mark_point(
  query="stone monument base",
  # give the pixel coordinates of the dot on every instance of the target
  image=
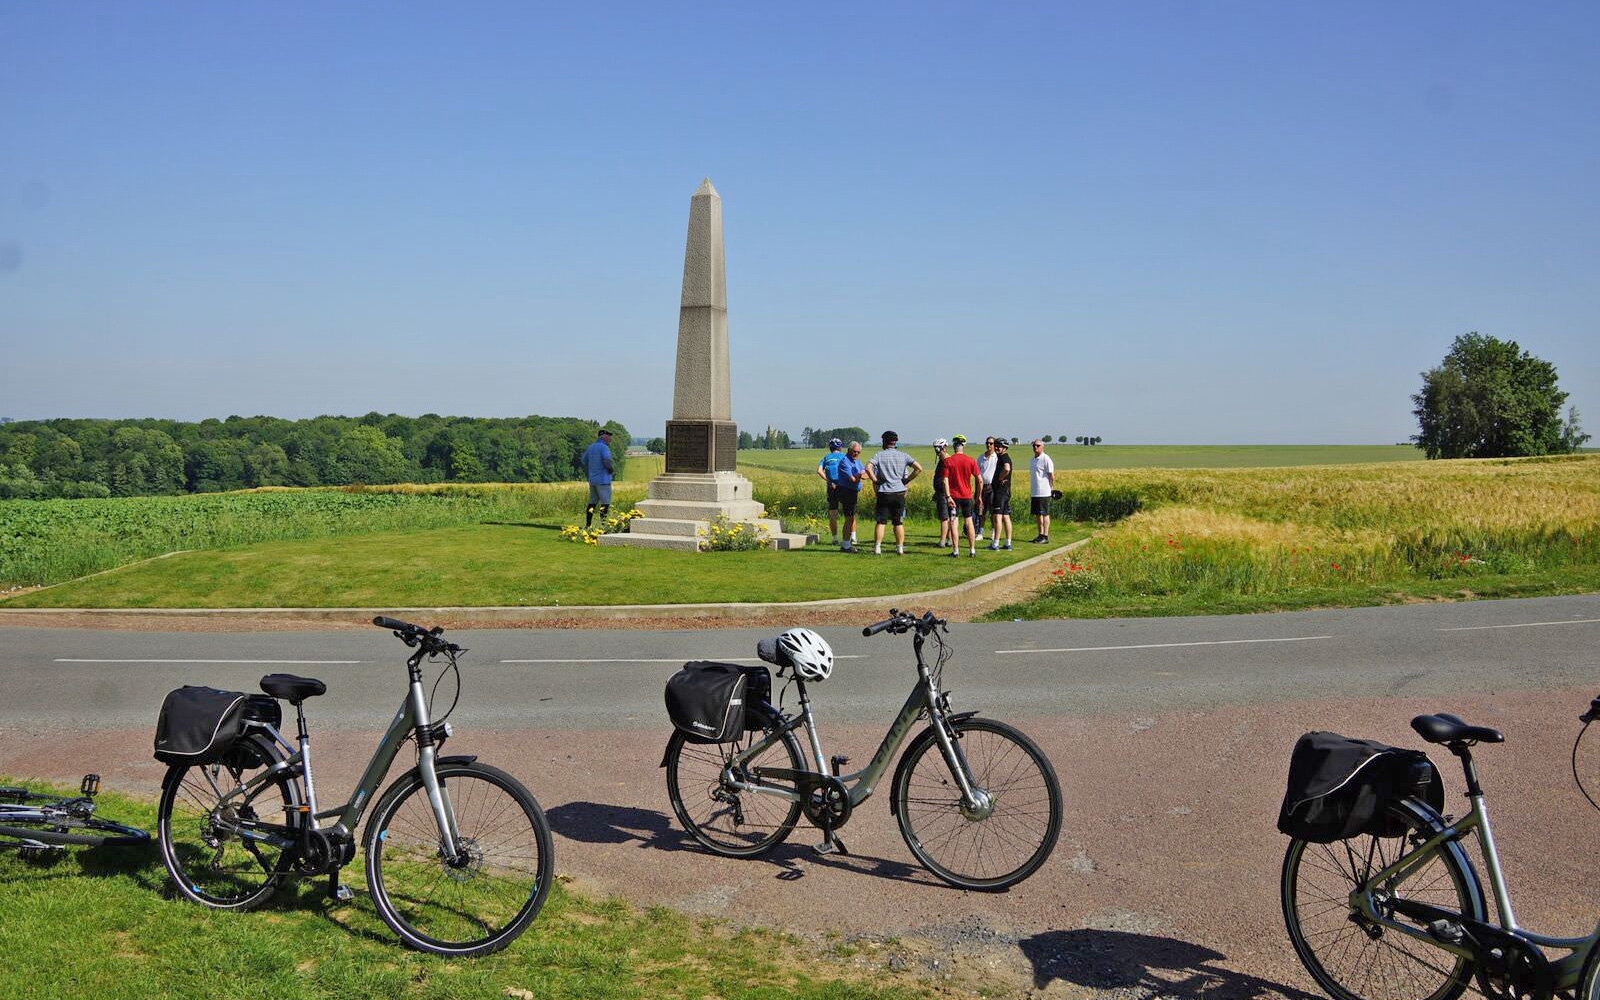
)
(682, 505)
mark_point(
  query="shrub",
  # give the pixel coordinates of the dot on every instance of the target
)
(723, 535)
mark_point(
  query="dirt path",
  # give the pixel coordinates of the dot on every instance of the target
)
(1164, 882)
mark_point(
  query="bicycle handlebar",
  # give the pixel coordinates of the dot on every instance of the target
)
(902, 621)
(431, 640)
(396, 624)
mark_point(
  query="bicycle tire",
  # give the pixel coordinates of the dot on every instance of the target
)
(187, 834)
(701, 779)
(1318, 916)
(408, 863)
(1589, 980)
(923, 816)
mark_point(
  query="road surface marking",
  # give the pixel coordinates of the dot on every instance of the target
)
(63, 659)
(674, 659)
(1163, 645)
(1474, 628)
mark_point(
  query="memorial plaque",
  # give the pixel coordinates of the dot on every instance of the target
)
(702, 445)
(725, 457)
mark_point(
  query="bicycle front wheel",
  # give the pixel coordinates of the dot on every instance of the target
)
(482, 899)
(999, 844)
(1354, 958)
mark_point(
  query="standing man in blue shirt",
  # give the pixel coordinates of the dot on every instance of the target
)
(848, 482)
(597, 464)
(828, 469)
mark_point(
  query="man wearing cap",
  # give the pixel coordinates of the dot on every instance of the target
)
(986, 469)
(1000, 492)
(941, 498)
(891, 470)
(828, 470)
(960, 474)
(597, 464)
(1044, 481)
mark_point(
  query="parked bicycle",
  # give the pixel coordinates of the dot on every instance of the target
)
(977, 801)
(1378, 894)
(458, 853)
(41, 825)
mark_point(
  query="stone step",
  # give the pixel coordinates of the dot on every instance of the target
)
(785, 541)
(683, 543)
(665, 526)
(694, 510)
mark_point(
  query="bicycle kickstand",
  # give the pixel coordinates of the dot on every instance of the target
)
(337, 891)
(831, 844)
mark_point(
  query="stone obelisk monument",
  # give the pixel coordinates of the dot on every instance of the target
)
(702, 440)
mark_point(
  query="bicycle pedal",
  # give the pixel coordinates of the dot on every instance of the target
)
(838, 762)
(343, 893)
(833, 845)
(90, 787)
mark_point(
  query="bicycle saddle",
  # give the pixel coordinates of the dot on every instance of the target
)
(769, 650)
(291, 688)
(1447, 728)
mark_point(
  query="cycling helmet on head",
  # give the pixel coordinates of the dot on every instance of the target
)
(834, 444)
(808, 653)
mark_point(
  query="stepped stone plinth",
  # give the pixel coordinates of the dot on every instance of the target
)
(700, 483)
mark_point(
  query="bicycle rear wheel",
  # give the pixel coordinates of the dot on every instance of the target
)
(725, 821)
(987, 851)
(489, 894)
(209, 860)
(1355, 959)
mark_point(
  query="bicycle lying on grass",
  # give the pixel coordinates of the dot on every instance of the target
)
(41, 825)
(1395, 909)
(977, 801)
(458, 853)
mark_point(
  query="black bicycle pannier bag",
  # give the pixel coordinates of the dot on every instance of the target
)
(706, 701)
(1340, 787)
(198, 725)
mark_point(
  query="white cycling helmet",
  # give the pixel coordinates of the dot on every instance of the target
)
(808, 652)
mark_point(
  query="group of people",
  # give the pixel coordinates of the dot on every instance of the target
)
(966, 491)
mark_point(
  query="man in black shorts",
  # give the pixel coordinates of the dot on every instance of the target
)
(847, 488)
(1000, 493)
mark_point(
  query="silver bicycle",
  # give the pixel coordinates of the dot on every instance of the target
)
(458, 853)
(1404, 917)
(977, 801)
(41, 825)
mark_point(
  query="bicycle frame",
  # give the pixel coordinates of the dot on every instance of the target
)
(925, 697)
(1568, 969)
(412, 718)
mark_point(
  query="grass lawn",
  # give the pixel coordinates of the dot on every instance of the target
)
(522, 563)
(1117, 456)
(98, 923)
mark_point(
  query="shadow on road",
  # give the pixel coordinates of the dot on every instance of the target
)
(1165, 967)
(598, 823)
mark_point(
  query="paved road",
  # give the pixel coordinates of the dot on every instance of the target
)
(1171, 737)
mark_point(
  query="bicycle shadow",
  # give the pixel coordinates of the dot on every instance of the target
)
(141, 863)
(599, 823)
(1163, 966)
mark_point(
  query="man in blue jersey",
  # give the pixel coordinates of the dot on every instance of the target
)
(598, 466)
(828, 469)
(851, 472)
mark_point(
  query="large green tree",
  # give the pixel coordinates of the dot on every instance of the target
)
(1489, 399)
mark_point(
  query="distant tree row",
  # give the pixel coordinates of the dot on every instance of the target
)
(773, 438)
(816, 437)
(98, 458)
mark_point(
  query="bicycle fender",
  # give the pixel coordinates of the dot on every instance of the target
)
(905, 758)
(460, 758)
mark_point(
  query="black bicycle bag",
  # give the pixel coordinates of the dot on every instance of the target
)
(1341, 787)
(710, 702)
(199, 725)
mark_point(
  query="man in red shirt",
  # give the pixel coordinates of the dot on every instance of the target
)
(960, 475)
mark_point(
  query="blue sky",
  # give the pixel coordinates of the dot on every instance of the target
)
(1155, 222)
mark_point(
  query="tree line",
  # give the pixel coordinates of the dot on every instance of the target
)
(99, 458)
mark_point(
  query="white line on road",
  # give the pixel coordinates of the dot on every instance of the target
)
(62, 659)
(674, 659)
(1474, 628)
(1164, 645)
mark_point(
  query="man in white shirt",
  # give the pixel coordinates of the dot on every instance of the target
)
(1044, 481)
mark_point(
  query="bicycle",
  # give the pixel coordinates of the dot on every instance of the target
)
(458, 853)
(41, 825)
(1404, 916)
(977, 802)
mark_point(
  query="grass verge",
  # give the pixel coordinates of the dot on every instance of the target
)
(99, 923)
(522, 563)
